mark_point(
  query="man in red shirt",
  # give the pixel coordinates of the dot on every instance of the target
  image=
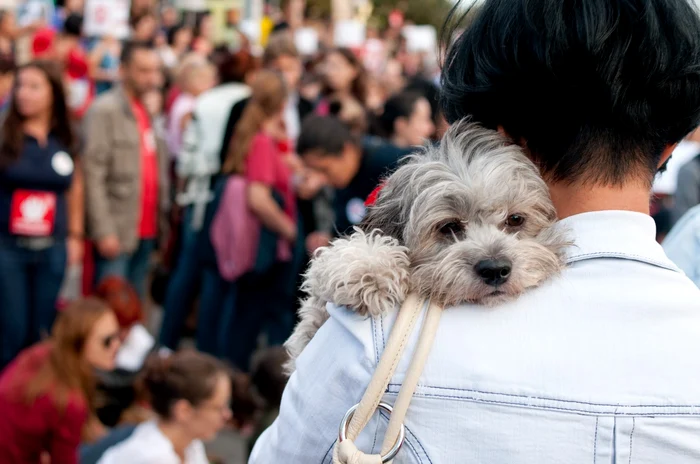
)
(127, 193)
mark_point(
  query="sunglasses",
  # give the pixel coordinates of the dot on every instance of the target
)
(110, 339)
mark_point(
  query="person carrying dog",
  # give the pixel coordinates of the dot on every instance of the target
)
(598, 364)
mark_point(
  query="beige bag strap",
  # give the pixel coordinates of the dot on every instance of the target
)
(358, 416)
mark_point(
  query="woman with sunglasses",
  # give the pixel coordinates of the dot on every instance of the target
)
(46, 394)
(190, 393)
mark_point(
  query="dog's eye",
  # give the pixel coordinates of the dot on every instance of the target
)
(452, 228)
(515, 220)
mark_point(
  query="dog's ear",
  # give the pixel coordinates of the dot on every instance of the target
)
(389, 213)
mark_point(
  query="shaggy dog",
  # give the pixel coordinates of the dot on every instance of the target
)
(470, 221)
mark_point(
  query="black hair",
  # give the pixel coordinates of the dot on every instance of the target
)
(400, 105)
(430, 91)
(173, 31)
(596, 90)
(324, 135)
(132, 46)
(73, 25)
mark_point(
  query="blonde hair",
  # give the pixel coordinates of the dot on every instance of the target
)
(268, 95)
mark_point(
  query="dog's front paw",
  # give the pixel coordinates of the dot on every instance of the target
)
(365, 272)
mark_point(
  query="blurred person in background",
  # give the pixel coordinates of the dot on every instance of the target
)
(345, 79)
(281, 55)
(352, 166)
(196, 169)
(41, 206)
(407, 120)
(195, 78)
(117, 387)
(7, 79)
(126, 169)
(687, 192)
(47, 395)
(254, 154)
(179, 39)
(203, 41)
(104, 63)
(144, 27)
(190, 393)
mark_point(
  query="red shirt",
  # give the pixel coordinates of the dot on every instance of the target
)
(148, 224)
(265, 164)
(26, 431)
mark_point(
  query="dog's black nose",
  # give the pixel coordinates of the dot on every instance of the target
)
(493, 271)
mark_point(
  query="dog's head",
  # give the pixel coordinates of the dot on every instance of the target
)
(475, 216)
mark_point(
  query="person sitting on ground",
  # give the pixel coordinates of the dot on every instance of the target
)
(47, 393)
(190, 392)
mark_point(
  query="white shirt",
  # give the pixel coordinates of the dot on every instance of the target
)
(599, 365)
(291, 117)
(148, 445)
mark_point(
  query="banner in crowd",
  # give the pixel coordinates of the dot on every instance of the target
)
(349, 33)
(32, 11)
(107, 17)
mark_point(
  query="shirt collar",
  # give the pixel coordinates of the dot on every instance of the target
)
(615, 234)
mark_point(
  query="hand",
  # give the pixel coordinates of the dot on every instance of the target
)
(75, 249)
(317, 240)
(109, 247)
(290, 233)
(311, 183)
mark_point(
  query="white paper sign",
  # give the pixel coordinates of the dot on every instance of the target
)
(107, 17)
(9, 4)
(420, 38)
(191, 5)
(32, 11)
(349, 34)
(306, 40)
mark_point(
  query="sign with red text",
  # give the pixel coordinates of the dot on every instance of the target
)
(107, 18)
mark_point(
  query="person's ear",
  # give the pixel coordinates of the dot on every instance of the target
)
(400, 125)
(182, 411)
(666, 155)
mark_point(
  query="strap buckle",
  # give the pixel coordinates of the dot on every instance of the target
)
(345, 423)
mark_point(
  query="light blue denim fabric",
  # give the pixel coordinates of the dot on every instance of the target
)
(600, 365)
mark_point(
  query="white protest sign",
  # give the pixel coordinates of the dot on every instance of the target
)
(9, 5)
(420, 38)
(33, 11)
(349, 33)
(107, 17)
(306, 40)
(191, 5)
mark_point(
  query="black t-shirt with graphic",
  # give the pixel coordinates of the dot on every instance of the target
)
(379, 160)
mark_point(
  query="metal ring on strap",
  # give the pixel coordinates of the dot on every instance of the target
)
(345, 423)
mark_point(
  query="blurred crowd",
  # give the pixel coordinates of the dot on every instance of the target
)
(189, 182)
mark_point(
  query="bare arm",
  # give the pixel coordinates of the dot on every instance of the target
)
(263, 205)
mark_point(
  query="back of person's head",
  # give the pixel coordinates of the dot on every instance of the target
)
(73, 25)
(267, 100)
(183, 382)
(324, 136)
(279, 44)
(123, 299)
(396, 107)
(82, 335)
(595, 90)
(268, 375)
(233, 66)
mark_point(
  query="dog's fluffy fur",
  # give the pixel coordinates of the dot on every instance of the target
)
(442, 212)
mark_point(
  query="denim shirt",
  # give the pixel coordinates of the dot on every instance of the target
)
(599, 365)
